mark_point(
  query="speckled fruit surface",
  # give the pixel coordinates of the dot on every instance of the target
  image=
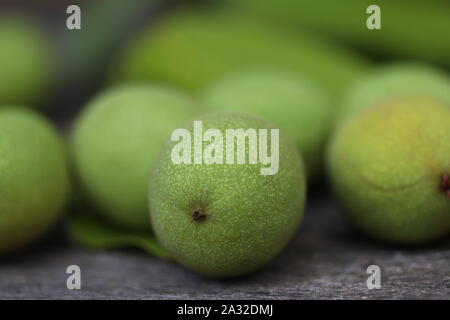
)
(389, 167)
(115, 142)
(286, 99)
(34, 183)
(225, 220)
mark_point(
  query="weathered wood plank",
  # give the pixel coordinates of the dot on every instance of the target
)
(326, 260)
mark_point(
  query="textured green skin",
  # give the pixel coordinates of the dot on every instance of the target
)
(286, 99)
(26, 61)
(397, 79)
(34, 184)
(117, 139)
(386, 164)
(250, 217)
(192, 48)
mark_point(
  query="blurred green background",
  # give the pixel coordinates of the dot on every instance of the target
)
(326, 40)
(191, 44)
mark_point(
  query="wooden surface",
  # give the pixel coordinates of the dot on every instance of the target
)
(326, 260)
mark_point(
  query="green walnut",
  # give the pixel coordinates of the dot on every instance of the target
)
(191, 48)
(390, 169)
(287, 99)
(115, 142)
(393, 80)
(34, 183)
(26, 61)
(221, 216)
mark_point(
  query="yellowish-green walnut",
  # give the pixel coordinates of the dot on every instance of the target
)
(390, 169)
(34, 183)
(287, 99)
(225, 220)
(115, 142)
(26, 61)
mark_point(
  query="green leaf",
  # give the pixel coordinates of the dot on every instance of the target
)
(94, 233)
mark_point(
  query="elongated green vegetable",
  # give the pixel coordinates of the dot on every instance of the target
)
(413, 29)
(192, 48)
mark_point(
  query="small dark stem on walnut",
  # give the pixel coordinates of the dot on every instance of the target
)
(198, 216)
(445, 184)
